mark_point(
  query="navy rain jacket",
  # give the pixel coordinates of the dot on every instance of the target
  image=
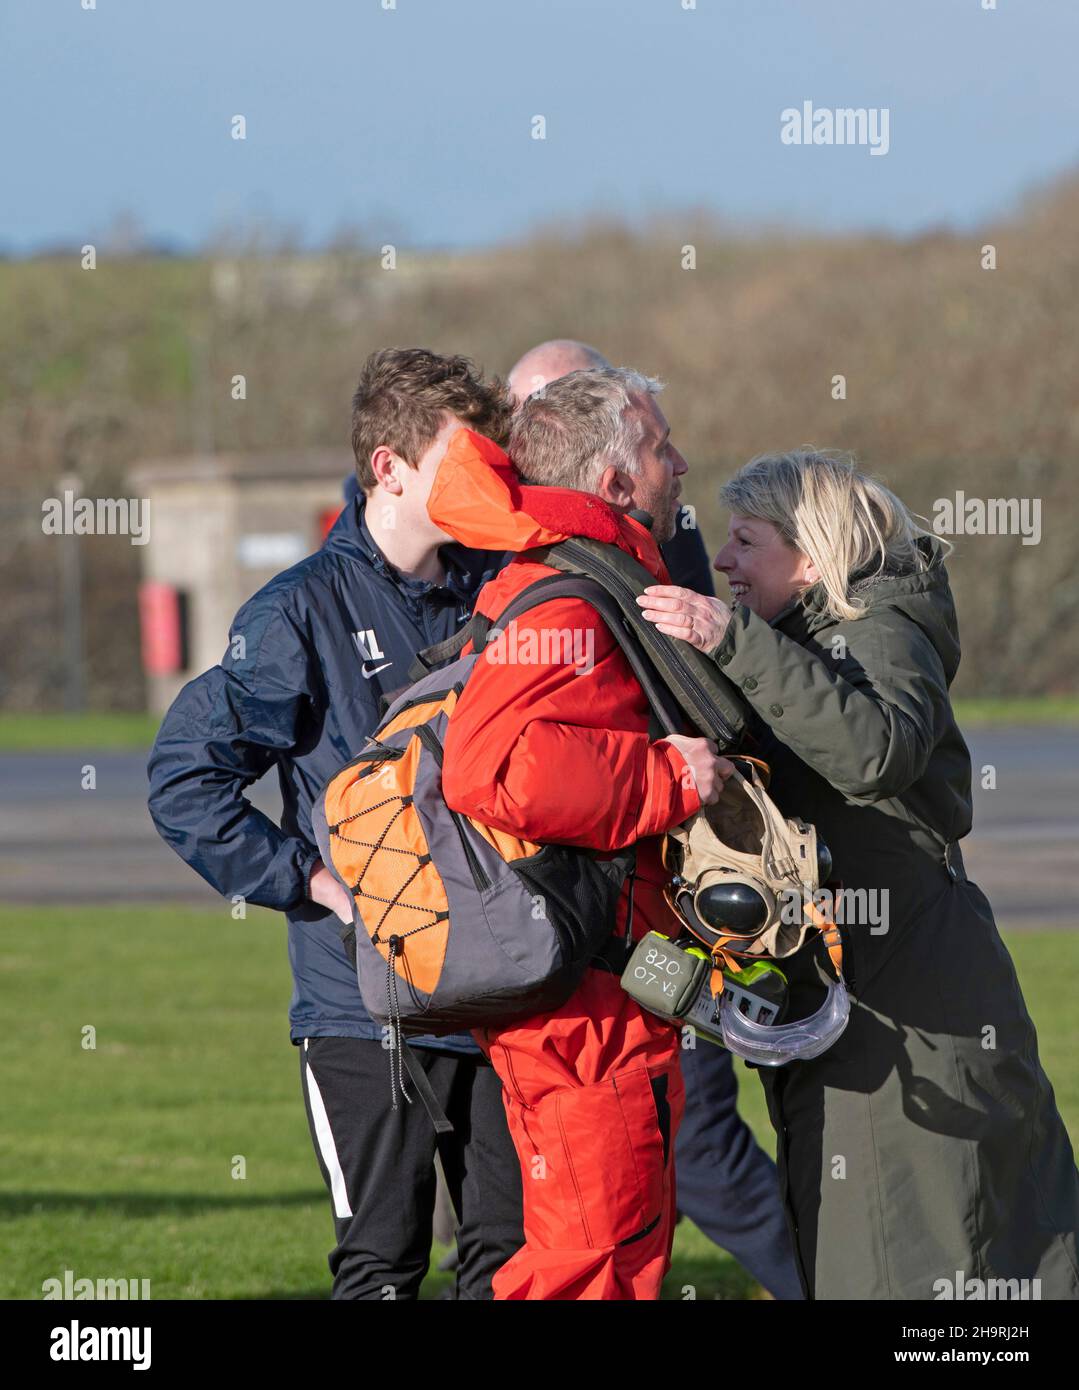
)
(321, 643)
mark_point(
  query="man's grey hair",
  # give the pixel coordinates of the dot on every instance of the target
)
(568, 432)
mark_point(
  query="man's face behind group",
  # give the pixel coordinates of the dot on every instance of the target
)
(657, 487)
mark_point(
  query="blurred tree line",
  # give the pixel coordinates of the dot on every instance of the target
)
(957, 379)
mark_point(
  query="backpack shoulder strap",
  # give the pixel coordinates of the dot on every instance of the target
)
(679, 683)
(708, 700)
(441, 653)
(665, 709)
(438, 654)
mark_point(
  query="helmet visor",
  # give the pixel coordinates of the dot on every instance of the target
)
(773, 1046)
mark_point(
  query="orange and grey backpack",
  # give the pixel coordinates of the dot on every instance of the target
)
(457, 925)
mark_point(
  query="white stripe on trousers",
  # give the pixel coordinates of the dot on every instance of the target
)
(326, 1144)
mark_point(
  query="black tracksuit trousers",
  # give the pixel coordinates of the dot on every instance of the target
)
(378, 1164)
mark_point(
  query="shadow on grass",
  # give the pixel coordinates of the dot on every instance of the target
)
(728, 1284)
(711, 1275)
(141, 1204)
(718, 1276)
(321, 1295)
(438, 1284)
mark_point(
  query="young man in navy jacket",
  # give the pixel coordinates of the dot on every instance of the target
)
(298, 690)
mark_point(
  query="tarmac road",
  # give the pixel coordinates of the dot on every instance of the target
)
(61, 844)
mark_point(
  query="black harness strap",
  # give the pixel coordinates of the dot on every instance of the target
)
(443, 1125)
(418, 1077)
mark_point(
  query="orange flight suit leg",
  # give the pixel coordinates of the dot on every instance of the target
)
(594, 1097)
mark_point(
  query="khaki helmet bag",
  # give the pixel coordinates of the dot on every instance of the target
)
(745, 839)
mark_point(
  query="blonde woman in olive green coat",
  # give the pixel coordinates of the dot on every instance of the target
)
(923, 1155)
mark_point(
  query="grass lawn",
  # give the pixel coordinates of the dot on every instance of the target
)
(1020, 710)
(46, 733)
(117, 1161)
(49, 733)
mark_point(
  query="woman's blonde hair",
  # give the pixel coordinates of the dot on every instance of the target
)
(849, 524)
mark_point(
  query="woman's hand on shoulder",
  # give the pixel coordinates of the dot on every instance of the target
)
(695, 618)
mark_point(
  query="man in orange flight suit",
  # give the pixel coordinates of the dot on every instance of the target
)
(558, 751)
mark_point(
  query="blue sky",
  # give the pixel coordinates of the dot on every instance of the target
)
(414, 122)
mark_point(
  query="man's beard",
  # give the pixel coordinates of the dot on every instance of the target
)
(665, 519)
